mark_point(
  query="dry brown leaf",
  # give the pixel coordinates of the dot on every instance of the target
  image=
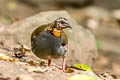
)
(7, 58)
(26, 49)
(69, 70)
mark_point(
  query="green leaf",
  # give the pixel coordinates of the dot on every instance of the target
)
(99, 43)
(81, 77)
(82, 67)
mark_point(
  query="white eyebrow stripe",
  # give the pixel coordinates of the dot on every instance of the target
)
(63, 20)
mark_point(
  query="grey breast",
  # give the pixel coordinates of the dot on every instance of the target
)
(47, 46)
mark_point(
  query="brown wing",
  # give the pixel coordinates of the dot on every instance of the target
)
(65, 39)
(39, 29)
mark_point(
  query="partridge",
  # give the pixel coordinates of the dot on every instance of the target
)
(49, 41)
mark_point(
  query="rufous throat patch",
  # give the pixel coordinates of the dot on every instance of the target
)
(56, 33)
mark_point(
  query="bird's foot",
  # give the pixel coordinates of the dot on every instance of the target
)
(59, 70)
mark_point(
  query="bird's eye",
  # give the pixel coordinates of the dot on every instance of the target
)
(62, 22)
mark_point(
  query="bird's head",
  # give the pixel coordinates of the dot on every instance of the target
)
(62, 23)
(58, 25)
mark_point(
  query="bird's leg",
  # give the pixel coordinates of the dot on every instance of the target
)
(63, 64)
(49, 62)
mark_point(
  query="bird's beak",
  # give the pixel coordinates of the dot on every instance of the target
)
(70, 26)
